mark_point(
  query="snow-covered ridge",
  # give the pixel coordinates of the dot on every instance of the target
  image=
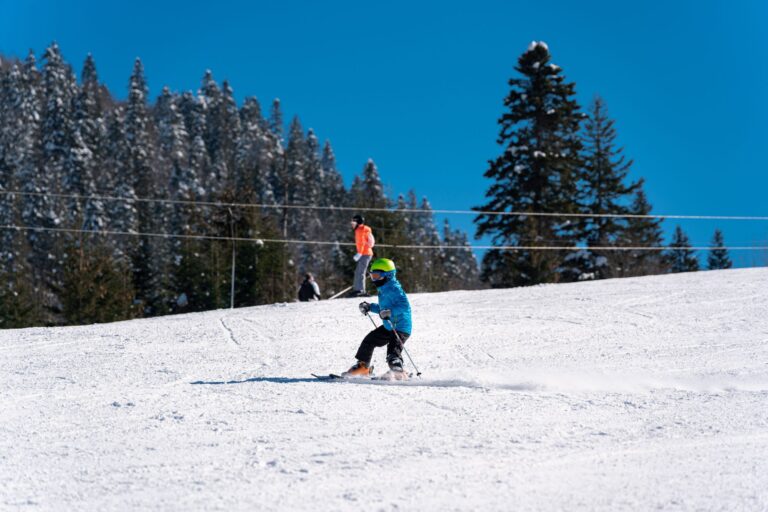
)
(616, 395)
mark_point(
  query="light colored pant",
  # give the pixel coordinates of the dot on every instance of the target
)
(360, 270)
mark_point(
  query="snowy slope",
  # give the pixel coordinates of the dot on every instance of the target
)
(616, 395)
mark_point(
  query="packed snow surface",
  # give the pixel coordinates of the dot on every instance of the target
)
(634, 394)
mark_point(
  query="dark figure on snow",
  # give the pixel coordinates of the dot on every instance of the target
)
(309, 290)
(395, 312)
(364, 243)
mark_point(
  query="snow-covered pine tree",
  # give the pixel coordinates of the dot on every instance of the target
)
(42, 210)
(252, 155)
(336, 273)
(460, 265)
(640, 231)
(19, 160)
(431, 276)
(333, 187)
(536, 173)
(140, 161)
(276, 121)
(173, 161)
(193, 113)
(313, 257)
(718, 259)
(367, 190)
(409, 222)
(367, 193)
(122, 213)
(603, 189)
(680, 256)
(90, 145)
(222, 127)
(292, 180)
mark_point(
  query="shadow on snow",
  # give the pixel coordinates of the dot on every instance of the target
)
(274, 380)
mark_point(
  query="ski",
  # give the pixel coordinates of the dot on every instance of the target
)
(384, 378)
(330, 376)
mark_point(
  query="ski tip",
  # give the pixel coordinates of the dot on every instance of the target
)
(330, 376)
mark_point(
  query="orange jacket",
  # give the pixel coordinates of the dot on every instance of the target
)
(364, 240)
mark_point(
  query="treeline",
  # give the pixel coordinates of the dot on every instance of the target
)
(558, 159)
(88, 239)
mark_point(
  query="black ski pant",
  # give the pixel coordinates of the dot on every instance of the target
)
(378, 338)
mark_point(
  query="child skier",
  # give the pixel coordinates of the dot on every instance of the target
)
(395, 312)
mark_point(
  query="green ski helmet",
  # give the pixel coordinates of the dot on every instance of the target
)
(383, 265)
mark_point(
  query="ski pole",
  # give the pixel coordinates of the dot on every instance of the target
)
(402, 345)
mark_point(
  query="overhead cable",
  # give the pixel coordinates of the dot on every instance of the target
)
(389, 210)
(387, 246)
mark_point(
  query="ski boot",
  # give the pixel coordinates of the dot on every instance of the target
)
(359, 369)
(396, 371)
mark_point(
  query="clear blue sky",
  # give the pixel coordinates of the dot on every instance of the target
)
(418, 86)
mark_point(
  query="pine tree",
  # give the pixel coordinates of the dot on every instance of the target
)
(20, 304)
(276, 121)
(718, 258)
(96, 288)
(367, 193)
(19, 157)
(193, 114)
(680, 256)
(122, 213)
(535, 174)
(252, 155)
(222, 127)
(460, 267)
(640, 231)
(140, 159)
(42, 210)
(603, 190)
(312, 258)
(426, 234)
(334, 272)
(89, 146)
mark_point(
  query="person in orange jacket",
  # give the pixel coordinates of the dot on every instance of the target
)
(364, 243)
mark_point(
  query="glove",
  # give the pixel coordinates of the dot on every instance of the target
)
(364, 308)
(385, 314)
(357, 256)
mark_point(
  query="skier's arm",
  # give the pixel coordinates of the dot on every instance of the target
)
(316, 290)
(399, 308)
(375, 308)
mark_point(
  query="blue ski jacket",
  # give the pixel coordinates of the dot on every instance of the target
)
(392, 297)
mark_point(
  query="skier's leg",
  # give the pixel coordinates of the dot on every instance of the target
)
(360, 270)
(395, 350)
(376, 338)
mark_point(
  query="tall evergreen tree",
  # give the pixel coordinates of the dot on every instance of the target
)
(222, 127)
(89, 146)
(140, 159)
(718, 259)
(123, 213)
(42, 210)
(680, 255)
(292, 178)
(20, 158)
(252, 155)
(640, 231)
(603, 190)
(536, 173)
(276, 120)
(460, 267)
(96, 288)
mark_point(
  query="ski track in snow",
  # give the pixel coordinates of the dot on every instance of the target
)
(635, 394)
